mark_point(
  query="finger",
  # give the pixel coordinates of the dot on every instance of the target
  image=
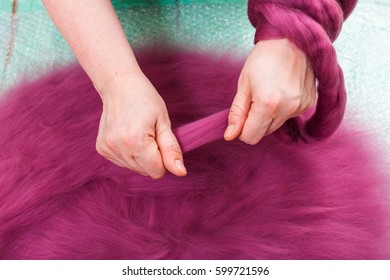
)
(309, 90)
(99, 139)
(118, 157)
(285, 112)
(107, 146)
(313, 93)
(259, 119)
(307, 101)
(171, 153)
(238, 114)
(102, 122)
(275, 125)
(118, 153)
(144, 155)
(125, 157)
(132, 165)
(117, 162)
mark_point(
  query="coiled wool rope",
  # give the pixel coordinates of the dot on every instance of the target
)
(312, 26)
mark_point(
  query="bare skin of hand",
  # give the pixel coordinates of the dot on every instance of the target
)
(276, 84)
(135, 130)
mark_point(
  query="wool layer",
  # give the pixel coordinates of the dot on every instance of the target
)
(59, 199)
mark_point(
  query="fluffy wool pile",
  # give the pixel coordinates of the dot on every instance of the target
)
(59, 199)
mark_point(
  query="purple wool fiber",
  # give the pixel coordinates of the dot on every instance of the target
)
(312, 26)
(59, 199)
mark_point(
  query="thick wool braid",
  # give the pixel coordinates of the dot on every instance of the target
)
(327, 13)
(312, 27)
(347, 6)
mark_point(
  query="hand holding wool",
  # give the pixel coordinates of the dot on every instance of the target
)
(276, 84)
(135, 130)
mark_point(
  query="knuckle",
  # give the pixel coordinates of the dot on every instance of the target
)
(171, 147)
(236, 112)
(292, 103)
(110, 140)
(294, 106)
(102, 149)
(136, 154)
(163, 125)
(138, 144)
(296, 94)
(138, 150)
(129, 141)
(271, 106)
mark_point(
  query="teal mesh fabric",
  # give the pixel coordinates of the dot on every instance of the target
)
(30, 45)
(34, 5)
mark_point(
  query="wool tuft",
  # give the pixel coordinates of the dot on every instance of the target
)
(59, 199)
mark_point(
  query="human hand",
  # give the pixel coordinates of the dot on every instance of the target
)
(135, 130)
(276, 84)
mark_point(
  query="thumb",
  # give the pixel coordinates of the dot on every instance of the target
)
(238, 114)
(170, 150)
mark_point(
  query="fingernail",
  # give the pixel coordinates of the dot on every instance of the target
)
(228, 131)
(180, 166)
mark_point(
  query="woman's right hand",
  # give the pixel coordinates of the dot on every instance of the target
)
(135, 130)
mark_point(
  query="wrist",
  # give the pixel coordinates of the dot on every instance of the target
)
(116, 80)
(283, 47)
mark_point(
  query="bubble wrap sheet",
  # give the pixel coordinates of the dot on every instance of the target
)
(30, 44)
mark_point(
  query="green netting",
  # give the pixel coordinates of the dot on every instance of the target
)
(29, 41)
(36, 5)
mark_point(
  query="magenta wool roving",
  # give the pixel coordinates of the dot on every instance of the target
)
(59, 199)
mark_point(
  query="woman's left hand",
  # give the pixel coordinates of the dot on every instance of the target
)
(276, 84)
